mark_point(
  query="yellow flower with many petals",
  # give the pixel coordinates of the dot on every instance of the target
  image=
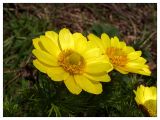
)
(123, 58)
(67, 57)
(147, 97)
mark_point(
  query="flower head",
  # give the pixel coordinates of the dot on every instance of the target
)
(123, 58)
(147, 97)
(67, 57)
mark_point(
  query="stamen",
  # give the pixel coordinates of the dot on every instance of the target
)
(71, 62)
(116, 56)
(150, 106)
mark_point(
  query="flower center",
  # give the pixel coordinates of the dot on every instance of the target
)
(71, 62)
(116, 56)
(151, 107)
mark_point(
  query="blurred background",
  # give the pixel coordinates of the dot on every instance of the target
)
(28, 92)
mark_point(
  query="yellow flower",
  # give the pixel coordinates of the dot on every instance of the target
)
(67, 57)
(147, 97)
(123, 58)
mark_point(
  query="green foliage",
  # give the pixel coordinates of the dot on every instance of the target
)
(48, 98)
(18, 35)
(144, 44)
(10, 107)
(28, 92)
(100, 28)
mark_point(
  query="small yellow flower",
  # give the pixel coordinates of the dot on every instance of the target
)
(67, 57)
(123, 58)
(147, 97)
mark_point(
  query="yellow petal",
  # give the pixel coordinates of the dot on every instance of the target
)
(45, 57)
(91, 45)
(50, 46)
(140, 60)
(53, 36)
(80, 42)
(138, 68)
(92, 53)
(40, 66)
(101, 58)
(122, 45)
(105, 40)
(87, 85)
(38, 44)
(134, 55)
(121, 70)
(97, 41)
(42, 47)
(135, 92)
(138, 100)
(35, 43)
(154, 92)
(140, 95)
(128, 49)
(72, 85)
(98, 67)
(57, 74)
(148, 94)
(66, 39)
(115, 42)
(134, 65)
(144, 71)
(102, 78)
